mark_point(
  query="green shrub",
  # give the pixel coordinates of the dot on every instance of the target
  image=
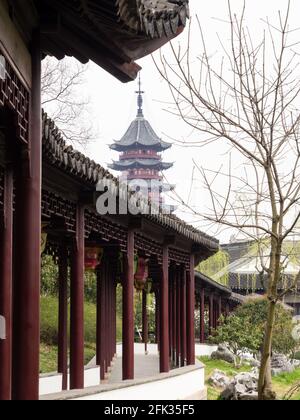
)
(49, 321)
(297, 355)
(244, 329)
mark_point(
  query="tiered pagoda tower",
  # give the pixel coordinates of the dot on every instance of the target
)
(141, 149)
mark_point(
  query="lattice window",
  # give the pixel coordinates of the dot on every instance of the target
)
(14, 95)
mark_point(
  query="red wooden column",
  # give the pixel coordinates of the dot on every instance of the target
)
(128, 310)
(178, 316)
(6, 256)
(202, 316)
(26, 335)
(183, 317)
(157, 319)
(164, 313)
(227, 310)
(98, 316)
(77, 305)
(63, 316)
(211, 312)
(111, 284)
(173, 280)
(191, 313)
(108, 308)
(145, 321)
(115, 312)
(101, 324)
(107, 316)
(102, 334)
(171, 319)
(219, 309)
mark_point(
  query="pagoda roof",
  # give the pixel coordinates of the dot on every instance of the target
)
(80, 168)
(140, 134)
(112, 33)
(123, 165)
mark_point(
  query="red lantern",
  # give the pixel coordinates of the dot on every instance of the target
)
(93, 257)
(142, 273)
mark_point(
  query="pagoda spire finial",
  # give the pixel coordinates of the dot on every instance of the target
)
(140, 99)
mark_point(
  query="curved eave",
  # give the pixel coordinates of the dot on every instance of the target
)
(143, 164)
(155, 18)
(119, 147)
(113, 34)
(140, 134)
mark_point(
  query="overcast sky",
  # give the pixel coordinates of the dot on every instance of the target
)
(113, 104)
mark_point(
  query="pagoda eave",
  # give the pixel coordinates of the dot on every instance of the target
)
(139, 145)
(140, 164)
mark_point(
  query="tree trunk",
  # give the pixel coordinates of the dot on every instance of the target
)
(265, 391)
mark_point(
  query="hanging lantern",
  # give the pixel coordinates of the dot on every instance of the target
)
(142, 273)
(93, 258)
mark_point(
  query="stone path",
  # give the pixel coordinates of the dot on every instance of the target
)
(145, 367)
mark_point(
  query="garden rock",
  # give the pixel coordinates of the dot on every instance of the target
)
(281, 364)
(219, 379)
(250, 396)
(254, 363)
(295, 363)
(223, 353)
(243, 387)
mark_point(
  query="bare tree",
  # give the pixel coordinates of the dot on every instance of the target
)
(248, 100)
(62, 85)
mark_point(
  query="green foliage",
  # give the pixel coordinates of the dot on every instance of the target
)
(214, 264)
(139, 308)
(297, 355)
(244, 329)
(49, 280)
(282, 383)
(49, 275)
(49, 353)
(90, 287)
(49, 320)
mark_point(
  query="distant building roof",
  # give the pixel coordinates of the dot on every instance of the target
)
(140, 134)
(124, 165)
(212, 283)
(246, 271)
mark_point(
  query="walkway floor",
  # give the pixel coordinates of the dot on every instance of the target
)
(145, 366)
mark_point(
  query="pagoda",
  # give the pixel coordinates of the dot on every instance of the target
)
(140, 153)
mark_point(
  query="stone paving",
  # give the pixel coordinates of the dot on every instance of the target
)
(145, 367)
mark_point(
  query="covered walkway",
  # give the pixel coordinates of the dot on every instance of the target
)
(149, 384)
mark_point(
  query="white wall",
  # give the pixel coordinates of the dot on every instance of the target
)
(53, 384)
(182, 387)
(204, 350)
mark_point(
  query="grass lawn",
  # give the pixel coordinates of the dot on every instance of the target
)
(49, 327)
(282, 383)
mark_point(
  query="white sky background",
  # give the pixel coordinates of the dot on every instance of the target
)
(113, 104)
